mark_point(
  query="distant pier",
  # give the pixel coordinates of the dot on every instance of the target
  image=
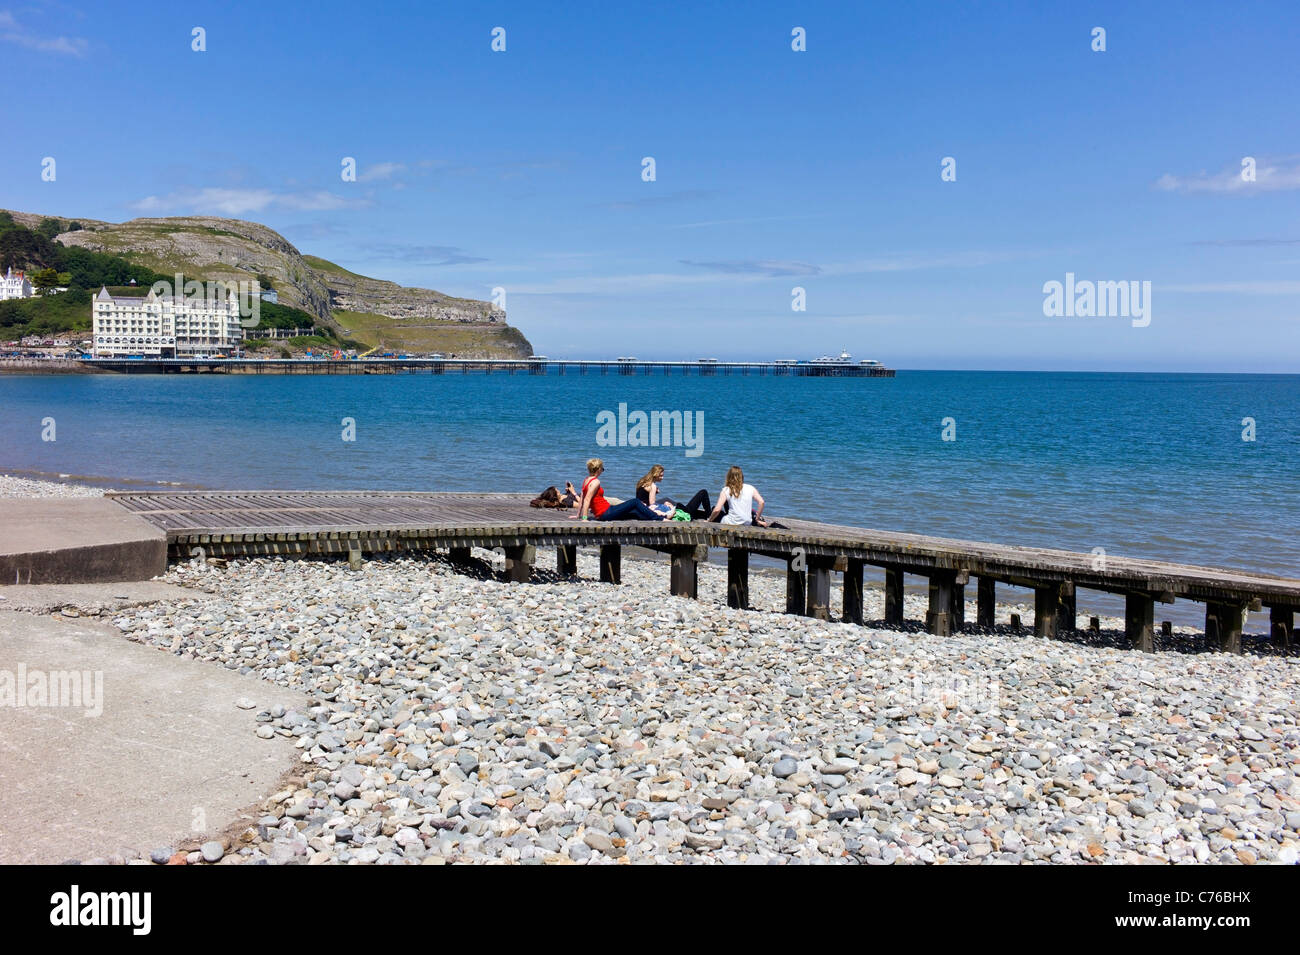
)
(465, 366)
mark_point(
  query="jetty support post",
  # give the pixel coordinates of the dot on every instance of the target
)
(611, 563)
(938, 619)
(1139, 621)
(738, 578)
(795, 584)
(682, 580)
(819, 587)
(853, 591)
(1223, 621)
(566, 560)
(519, 563)
(1281, 625)
(1049, 608)
(893, 596)
(957, 610)
(986, 600)
(1069, 612)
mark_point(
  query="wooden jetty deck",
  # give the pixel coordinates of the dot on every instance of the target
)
(357, 523)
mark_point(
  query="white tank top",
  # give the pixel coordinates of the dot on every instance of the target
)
(740, 510)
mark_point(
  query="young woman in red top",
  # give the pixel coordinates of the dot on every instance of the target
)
(593, 501)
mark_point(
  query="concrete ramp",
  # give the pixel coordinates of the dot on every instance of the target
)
(76, 541)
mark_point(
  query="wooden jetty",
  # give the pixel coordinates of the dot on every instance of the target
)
(357, 523)
(488, 366)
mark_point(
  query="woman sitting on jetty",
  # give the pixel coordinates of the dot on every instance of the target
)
(739, 498)
(647, 492)
(593, 500)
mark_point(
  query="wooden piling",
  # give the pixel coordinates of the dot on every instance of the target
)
(1281, 622)
(566, 560)
(958, 608)
(795, 588)
(519, 563)
(1139, 615)
(819, 587)
(986, 599)
(938, 619)
(738, 578)
(853, 591)
(1047, 610)
(1223, 625)
(682, 577)
(1068, 614)
(893, 596)
(611, 563)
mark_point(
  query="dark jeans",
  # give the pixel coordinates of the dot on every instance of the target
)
(630, 510)
(698, 507)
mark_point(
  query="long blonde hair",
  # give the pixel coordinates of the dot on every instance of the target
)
(655, 473)
(735, 481)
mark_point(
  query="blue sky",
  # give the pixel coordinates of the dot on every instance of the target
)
(774, 168)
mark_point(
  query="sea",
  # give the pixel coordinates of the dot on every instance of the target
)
(1192, 468)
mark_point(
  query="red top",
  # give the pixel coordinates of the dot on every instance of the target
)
(598, 503)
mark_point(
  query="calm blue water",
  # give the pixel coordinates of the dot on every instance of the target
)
(1149, 465)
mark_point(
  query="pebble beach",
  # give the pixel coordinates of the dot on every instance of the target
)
(456, 718)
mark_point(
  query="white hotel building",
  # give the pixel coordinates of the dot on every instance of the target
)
(14, 285)
(164, 326)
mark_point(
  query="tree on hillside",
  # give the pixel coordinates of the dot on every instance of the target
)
(49, 228)
(45, 279)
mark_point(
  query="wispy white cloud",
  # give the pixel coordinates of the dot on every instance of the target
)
(237, 202)
(661, 199)
(1271, 175)
(421, 254)
(1265, 287)
(774, 268)
(380, 171)
(12, 31)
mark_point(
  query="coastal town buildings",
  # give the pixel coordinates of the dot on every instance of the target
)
(164, 326)
(15, 285)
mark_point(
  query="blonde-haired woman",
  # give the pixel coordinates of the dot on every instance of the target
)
(593, 501)
(739, 499)
(647, 492)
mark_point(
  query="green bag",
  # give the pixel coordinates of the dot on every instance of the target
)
(680, 515)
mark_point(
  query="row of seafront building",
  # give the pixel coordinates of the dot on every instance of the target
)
(164, 326)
